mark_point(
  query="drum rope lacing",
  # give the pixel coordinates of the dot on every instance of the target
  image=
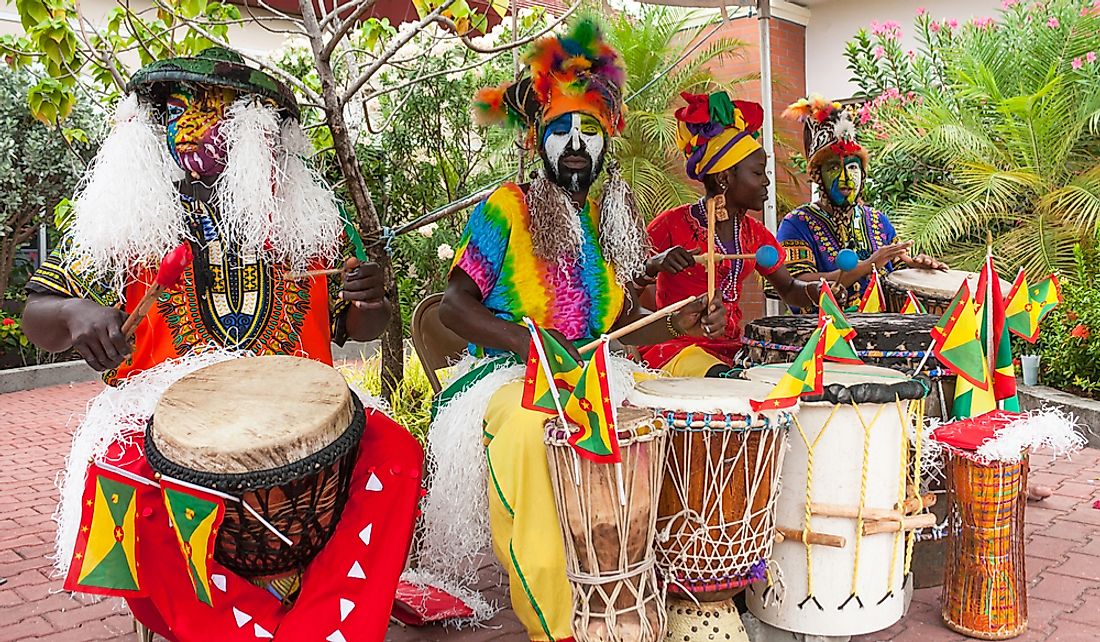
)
(713, 549)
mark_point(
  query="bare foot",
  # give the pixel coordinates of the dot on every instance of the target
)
(1038, 493)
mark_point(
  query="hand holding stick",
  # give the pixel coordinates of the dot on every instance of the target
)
(640, 323)
(309, 274)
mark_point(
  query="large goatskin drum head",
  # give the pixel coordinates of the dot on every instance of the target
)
(937, 284)
(714, 396)
(252, 414)
(837, 466)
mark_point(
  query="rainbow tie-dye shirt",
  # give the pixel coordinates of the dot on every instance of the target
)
(580, 300)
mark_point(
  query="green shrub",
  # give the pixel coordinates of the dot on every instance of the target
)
(1069, 338)
(412, 400)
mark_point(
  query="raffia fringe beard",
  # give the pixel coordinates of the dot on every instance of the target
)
(127, 211)
(117, 413)
(272, 204)
(456, 510)
(556, 232)
(623, 237)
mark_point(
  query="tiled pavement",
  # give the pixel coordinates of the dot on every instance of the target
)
(1063, 549)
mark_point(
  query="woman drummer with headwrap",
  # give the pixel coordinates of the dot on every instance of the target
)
(718, 138)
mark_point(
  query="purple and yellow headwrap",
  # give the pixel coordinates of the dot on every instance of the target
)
(715, 133)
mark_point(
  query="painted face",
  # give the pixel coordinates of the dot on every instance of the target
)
(573, 150)
(842, 179)
(193, 125)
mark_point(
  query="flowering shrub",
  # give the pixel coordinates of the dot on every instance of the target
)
(988, 126)
(13, 342)
(1069, 339)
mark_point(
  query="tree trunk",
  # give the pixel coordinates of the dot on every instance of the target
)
(7, 260)
(371, 227)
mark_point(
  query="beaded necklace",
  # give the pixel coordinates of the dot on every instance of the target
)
(728, 286)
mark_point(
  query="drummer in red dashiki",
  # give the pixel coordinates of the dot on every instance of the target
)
(206, 153)
(813, 234)
(718, 139)
(544, 251)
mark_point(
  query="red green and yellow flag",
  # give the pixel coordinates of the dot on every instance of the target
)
(837, 330)
(551, 372)
(804, 377)
(103, 561)
(872, 299)
(1047, 294)
(196, 517)
(1021, 312)
(957, 344)
(589, 408)
(913, 305)
(995, 337)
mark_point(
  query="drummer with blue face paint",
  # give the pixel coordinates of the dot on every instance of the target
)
(815, 233)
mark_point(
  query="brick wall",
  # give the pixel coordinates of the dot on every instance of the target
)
(788, 45)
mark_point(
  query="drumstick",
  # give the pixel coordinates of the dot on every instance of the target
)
(168, 275)
(820, 539)
(309, 274)
(874, 527)
(712, 206)
(640, 323)
(700, 258)
(911, 505)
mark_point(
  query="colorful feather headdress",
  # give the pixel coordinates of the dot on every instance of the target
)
(576, 72)
(827, 126)
(715, 133)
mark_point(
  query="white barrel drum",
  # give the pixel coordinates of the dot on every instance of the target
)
(846, 506)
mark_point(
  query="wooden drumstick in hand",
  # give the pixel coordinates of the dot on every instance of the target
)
(640, 323)
(713, 204)
(168, 277)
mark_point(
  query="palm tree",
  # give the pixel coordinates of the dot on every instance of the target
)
(656, 49)
(1009, 131)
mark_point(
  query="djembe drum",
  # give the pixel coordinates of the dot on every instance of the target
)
(279, 433)
(933, 288)
(985, 586)
(609, 554)
(715, 523)
(846, 505)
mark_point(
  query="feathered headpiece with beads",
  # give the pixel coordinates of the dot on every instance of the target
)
(576, 72)
(827, 126)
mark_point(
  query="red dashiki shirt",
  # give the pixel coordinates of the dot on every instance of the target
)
(686, 226)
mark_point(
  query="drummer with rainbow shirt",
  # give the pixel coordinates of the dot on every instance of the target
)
(718, 138)
(814, 234)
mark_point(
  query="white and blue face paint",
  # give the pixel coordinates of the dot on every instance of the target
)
(573, 149)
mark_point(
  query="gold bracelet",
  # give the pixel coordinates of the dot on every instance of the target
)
(672, 329)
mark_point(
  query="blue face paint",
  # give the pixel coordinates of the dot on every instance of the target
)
(569, 136)
(843, 179)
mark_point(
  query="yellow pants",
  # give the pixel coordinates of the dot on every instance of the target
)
(527, 535)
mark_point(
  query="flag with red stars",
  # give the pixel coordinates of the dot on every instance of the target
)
(196, 517)
(589, 408)
(103, 561)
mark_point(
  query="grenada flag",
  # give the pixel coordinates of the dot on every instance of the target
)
(551, 372)
(957, 344)
(196, 517)
(913, 305)
(995, 337)
(589, 407)
(872, 300)
(1021, 313)
(804, 377)
(837, 330)
(1047, 294)
(103, 559)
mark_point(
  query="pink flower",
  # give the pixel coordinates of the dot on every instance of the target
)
(888, 30)
(1008, 4)
(1077, 64)
(912, 54)
(983, 23)
(1091, 56)
(934, 27)
(878, 51)
(1053, 23)
(921, 11)
(893, 93)
(952, 24)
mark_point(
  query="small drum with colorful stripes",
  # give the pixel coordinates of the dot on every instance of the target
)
(608, 517)
(985, 587)
(847, 506)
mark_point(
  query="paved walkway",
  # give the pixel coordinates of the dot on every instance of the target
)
(1063, 548)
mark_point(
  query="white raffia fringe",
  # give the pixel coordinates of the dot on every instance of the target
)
(931, 453)
(456, 509)
(113, 413)
(272, 204)
(482, 609)
(126, 211)
(1050, 428)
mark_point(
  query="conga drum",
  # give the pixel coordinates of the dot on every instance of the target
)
(279, 433)
(847, 506)
(715, 524)
(985, 586)
(609, 556)
(891, 340)
(934, 288)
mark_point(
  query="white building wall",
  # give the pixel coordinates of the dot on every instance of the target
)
(833, 22)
